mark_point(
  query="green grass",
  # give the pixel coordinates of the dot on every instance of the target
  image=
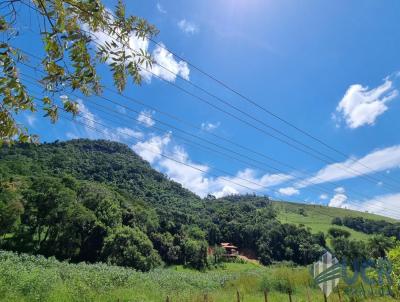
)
(318, 218)
(31, 278)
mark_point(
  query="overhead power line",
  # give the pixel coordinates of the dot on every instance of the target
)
(249, 181)
(330, 159)
(42, 72)
(90, 126)
(206, 172)
(264, 109)
(324, 190)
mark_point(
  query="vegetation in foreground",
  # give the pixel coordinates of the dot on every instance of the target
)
(35, 278)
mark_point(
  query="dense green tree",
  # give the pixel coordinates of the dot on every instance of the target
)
(11, 208)
(218, 253)
(349, 250)
(379, 245)
(165, 244)
(394, 257)
(104, 203)
(336, 232)
(195, 253)
(46, 203)
(337, 221)
(130, 247)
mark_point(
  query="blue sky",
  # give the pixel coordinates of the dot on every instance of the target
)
(329, 67)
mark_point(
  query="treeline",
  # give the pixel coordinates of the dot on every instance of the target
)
(96, 201)
(87, 221)
(369, 226)
(353, 250)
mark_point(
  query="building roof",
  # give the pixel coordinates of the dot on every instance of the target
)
(228, 245)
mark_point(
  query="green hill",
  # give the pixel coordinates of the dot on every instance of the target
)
(319, 218)
(93, 201)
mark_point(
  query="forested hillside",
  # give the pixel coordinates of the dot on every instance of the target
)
(93, 201)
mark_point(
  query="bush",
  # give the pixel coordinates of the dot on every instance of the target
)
(336, 233)
(337, 221)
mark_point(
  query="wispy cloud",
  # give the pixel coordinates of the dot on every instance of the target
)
(93, 127)
(86, 116)
(31, 119)
(208, 126)
(160, 8)
(247, 181)
(376, 161)
(323, 196)
(188, 27)
(362, 106)
(128, 133)
(145, 117)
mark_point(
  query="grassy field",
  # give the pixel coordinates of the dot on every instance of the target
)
(30, 278)
(319, 218)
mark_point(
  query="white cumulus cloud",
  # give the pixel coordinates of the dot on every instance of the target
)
(181, 169)
(167, 67)
(194, 176)
(152, 149)
(225, 191)
(289, 191)
(362, 106)
(338, 200)
(247, 181)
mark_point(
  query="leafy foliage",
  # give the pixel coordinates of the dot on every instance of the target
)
(394, 257)
(70, 60)
(127, 246)
(356, 250)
